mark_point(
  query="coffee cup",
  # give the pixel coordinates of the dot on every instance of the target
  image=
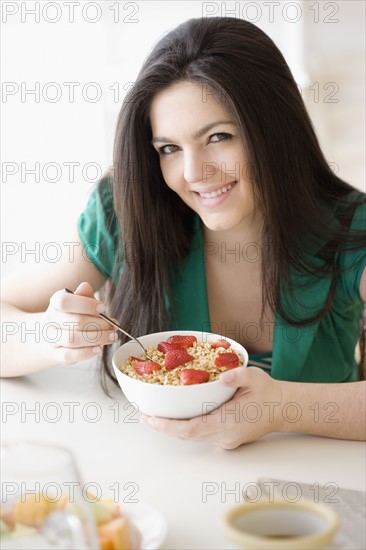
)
(281, 525)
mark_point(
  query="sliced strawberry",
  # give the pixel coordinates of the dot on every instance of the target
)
(146, 367)
(193, 376)
(220, 344)
(165, 346)
(182, 341)
(132, 358)
(176, 358)
(228, 360)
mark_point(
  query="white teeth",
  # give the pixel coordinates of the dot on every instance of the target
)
(216, 193)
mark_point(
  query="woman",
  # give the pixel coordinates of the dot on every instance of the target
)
(231, 220)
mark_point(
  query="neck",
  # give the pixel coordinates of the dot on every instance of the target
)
(234, 245)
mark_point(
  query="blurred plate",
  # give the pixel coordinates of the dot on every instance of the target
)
(150, 523)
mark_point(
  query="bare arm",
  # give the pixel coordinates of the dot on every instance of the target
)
(328, 410)
(26, 330)
(263, 405)
(363, 286)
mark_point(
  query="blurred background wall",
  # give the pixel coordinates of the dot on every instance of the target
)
(66, 66)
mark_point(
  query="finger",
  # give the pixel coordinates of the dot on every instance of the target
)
(198, 428)
(74, 355)
(178, 428)
(66, 321)
(76, 339)
(240, 376)
(73, 303)
(85, 289)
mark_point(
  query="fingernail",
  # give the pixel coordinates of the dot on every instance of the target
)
(97, 349)
(100, 308)
(227, 376)
(113, 336)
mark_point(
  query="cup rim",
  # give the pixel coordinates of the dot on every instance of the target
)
(258, 541)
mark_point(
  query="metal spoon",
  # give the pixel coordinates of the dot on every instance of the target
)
(116, 325)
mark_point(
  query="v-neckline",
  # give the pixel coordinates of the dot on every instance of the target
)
(200, 246)
(291, 345)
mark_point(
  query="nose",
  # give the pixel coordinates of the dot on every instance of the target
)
(197, 169)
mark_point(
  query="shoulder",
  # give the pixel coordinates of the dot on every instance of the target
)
(100, 207)
(105, 189)
(351, 211)
(363, 285)
(103, 195)
(99, 229)
(352, 256)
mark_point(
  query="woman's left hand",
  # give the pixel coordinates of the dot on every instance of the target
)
(253, 412)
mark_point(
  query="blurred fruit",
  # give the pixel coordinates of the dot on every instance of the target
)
(33, 510)
(115, 535)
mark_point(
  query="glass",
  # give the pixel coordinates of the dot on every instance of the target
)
(43, 502)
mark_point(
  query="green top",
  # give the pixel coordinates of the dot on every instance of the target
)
(321, 352)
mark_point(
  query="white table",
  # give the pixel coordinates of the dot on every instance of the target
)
(190, 483)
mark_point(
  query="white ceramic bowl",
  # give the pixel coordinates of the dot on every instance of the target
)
(181, 402)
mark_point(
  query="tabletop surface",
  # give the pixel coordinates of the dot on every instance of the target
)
(191, 483)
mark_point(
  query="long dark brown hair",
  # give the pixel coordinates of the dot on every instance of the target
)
(294, 187)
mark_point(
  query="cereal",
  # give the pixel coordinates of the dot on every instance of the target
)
(203, 353)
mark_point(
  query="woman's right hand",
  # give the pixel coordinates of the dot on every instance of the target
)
(72, 329)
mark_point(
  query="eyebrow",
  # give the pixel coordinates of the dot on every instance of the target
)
(197, 134)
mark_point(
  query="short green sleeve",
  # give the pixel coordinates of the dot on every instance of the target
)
(99, 230)
(353, 262)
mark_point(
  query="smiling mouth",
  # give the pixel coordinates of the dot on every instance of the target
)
(219, 192)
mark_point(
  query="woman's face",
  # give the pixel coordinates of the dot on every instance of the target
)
(202, 156)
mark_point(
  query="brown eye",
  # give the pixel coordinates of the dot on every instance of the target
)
(167, 149)
(220, 136)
